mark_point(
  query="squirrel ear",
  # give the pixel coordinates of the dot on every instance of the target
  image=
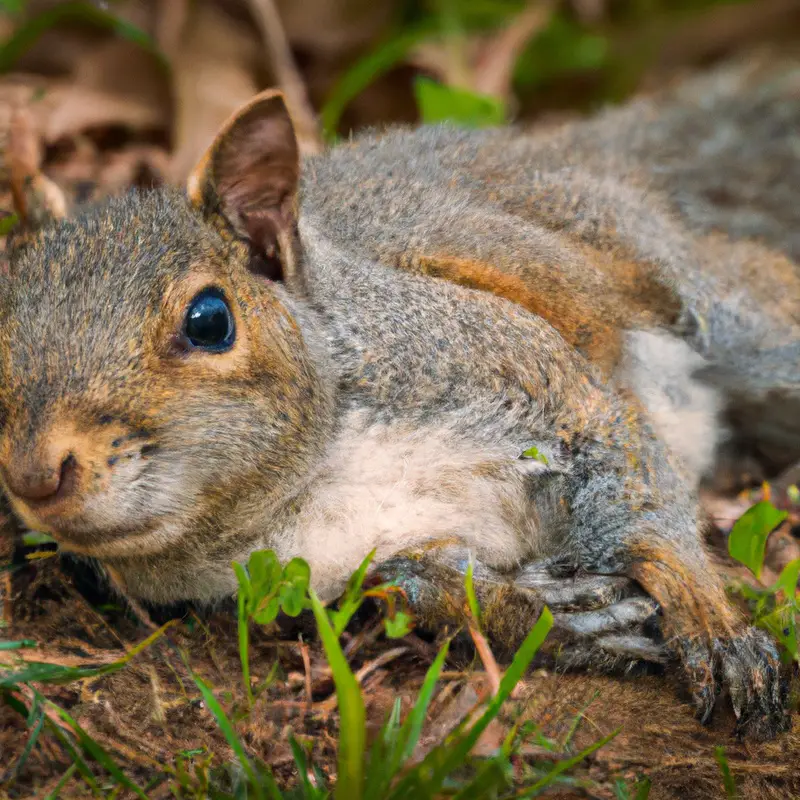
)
(249, 174)
(37, 200)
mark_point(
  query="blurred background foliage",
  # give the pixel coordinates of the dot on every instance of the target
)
(131, 91)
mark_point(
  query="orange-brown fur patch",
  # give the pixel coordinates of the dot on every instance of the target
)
(692, 595)
(592, 324)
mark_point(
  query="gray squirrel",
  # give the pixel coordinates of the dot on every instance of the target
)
(358, 352)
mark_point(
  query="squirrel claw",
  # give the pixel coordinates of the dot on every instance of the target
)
(751, 670)
(748, 667)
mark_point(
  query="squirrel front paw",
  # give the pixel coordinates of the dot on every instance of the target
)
(747, 667)
(602, 621)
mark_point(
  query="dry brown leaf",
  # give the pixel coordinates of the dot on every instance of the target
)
(329, 28)
(213, 67)
(64, 108)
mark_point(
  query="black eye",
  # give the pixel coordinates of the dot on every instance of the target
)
(209, 321)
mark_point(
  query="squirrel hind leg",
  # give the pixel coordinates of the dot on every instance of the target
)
(602, 622)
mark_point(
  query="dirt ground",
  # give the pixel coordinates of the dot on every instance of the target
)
(151, 711)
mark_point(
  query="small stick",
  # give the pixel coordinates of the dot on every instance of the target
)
(496, 66)
(487, 657)
(307, 667)
(288, 75)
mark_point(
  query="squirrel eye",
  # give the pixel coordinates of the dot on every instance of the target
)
(209, 321)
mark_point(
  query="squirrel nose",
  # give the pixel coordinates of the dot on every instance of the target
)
(38, 483)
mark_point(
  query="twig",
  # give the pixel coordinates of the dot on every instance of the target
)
(287, 75)
(496, 65)
(307, 668)
(6, 585)
(383, 659)
(487, 657)
(36, 197)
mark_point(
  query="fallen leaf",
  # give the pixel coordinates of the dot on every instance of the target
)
(213, 73)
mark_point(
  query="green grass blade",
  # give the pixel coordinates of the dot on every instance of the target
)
(367, 70)
(244, 647)
(567, 764)
(56, 793)
(310, 792)
(493, 776)
(31, 743)
(412, 727)
(352, 736)
(472, 598)
(97, 752)
(352, 598)
(383, 754)
(575, 724)
(229, 733)
(26, 34)
(77, 759)
(728, 781)
(42, 672)
(18, 645)
(446, 759)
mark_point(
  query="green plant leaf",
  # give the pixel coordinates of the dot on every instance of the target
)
(533, 452)
(398, 626)
(439, 103)
(265, 573)
(787, 581)
(748, 537)
(245, 587)
(352, 725)
(33, 538)
(7, 223)
(267, 610)
(294, 591)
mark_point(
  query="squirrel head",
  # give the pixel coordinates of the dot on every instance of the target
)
(154, 382)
